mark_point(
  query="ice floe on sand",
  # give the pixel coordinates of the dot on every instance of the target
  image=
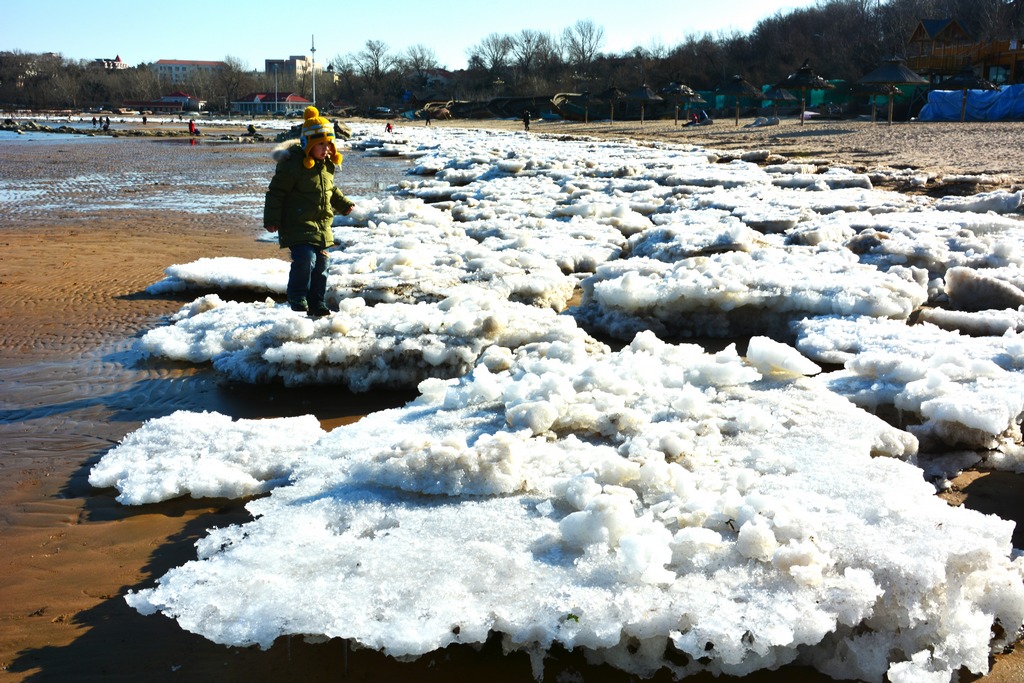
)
(659, 505)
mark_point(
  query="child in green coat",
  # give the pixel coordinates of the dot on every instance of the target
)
(300, 206)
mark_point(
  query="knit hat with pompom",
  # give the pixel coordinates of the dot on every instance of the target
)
(315, 129)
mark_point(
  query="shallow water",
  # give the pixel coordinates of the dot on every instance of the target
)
(76, 386)
(149, 174)
(7, 136)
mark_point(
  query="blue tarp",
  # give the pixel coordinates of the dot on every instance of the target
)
(1005, 104)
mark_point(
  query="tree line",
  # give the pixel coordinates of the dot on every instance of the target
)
(843, 39)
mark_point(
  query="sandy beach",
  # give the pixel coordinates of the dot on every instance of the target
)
(72, 299)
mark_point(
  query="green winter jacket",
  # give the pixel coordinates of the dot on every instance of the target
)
(302, 201)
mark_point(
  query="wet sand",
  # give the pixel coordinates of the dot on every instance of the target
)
(71, 302)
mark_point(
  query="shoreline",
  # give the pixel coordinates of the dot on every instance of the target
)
(72, 286)
(916, 157)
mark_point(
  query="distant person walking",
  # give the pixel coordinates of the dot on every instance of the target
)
(192, 130)
(526, 119)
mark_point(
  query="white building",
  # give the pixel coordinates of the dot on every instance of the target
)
(185, 70)
(110, 64)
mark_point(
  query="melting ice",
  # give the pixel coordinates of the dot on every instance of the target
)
(658, 505)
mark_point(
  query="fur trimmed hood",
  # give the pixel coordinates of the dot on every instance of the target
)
(282, 150)
(290, 148)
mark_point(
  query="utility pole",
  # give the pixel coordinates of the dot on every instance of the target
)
(312, 51)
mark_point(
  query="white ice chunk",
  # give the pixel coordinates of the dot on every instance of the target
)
(205, 455)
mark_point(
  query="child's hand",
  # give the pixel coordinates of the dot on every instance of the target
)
(348, 210)
(271, 228)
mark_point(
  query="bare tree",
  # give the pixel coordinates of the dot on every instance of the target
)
(375, 61)
(492, 53)
(144, 83)
(416, 64)
(845, 38)
(525, 48)
(38, 80)
(13, 65)
(898, 19)
(530, 53)
(231, 81)
(581, 43)
(200, 86)
(990, 20)
(65, 87)
(703, 60)
(419, 58)
(1014, 10)
(346, 72)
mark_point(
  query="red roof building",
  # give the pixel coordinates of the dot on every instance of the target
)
(265, 103)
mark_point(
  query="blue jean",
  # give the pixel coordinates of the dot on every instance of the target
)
(307, 278)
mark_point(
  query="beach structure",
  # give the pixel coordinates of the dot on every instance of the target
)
(964, 81)
(892, 72)
(612, 95)
(776, 94)
(938, 48)
(739, 88)
(874, 90)
(645, 96)
(804, 79)
(679, 91)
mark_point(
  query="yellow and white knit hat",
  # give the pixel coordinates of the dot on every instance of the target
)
(316, 129)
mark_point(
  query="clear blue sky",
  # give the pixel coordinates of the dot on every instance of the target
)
(255, 30)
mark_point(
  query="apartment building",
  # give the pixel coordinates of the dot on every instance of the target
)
(295, 67)
(185, 70)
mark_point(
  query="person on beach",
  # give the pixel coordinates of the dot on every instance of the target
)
(300, 206)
